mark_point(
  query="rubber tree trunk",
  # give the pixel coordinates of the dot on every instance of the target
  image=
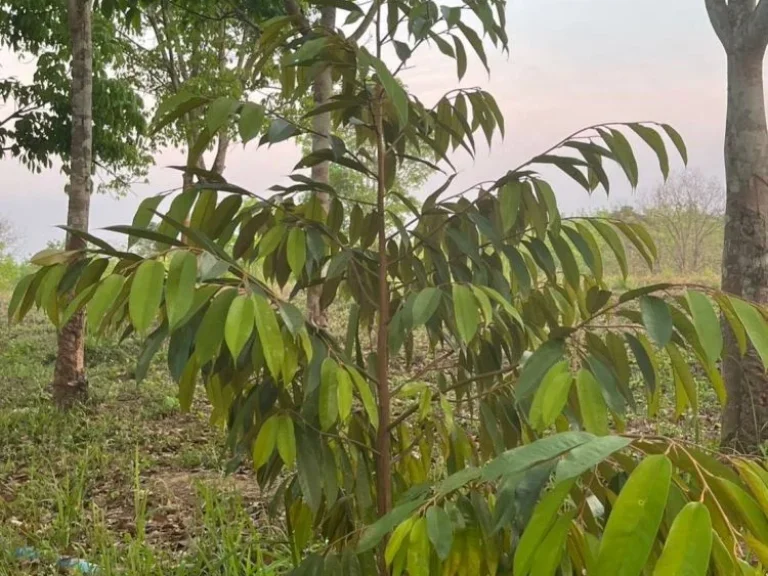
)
(743, 29)
(322, 89)
(69, 382)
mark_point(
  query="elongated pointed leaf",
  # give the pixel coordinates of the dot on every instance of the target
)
(657, 319)
(543, 518)
(755, 326)
(394, 90)
(296, 251)
(103, 299)
(269, 335)
(589, 455)
(366, 396)
(211, 332)
(424, 305)
(146, 294)
(286, 440)
(466, 312)
(686, 552)
(440, 531)
(180, 288)
(635, 519)
(534, 369)
(239, 324)
(707, 324)
(594, 412)
(266, 440)
(329, 407)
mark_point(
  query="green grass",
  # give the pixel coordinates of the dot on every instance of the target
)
(128, 482)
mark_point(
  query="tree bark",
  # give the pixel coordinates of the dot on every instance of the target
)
(322, 88)
(742, 27)
(745, 269)
(69, 382)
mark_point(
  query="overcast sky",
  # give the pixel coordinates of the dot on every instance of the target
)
(572, 63)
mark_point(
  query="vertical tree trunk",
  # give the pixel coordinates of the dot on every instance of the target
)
(69, 383)
(322, 89)
(745, 251)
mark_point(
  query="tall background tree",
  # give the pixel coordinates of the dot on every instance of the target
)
(69, 383)
(685, 214)
(742, 27)
(37, 129)
(200, 49)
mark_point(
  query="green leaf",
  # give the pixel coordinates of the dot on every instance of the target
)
(534, 369)
(440, 531)
(344, 394)
(612, 239)
(465, 310)
(689, 543)
(567, 261)
(211, 332)
(755, 325)
(238, 326)
(657, 319)
(475, 41)
(707, 324)
(647, 369)
(594, 412)
(180, 288)
(683, 372)
(461, 57)
(654, 140)
(394, 90)
(146, 294)
(622, 153)
(296, 251)
(539, 525)
(551, 396)
(635, 519)
(251, 121)
(269, 335)
(329, 407)
(103, 299)
(218, 113)
(547, 561)
(677, 140)
(286, 440)
(373, 534)
(425, 305)
(418, 549)
(589, 455)
(18, 296)
(266, 441)
(737, 499)
(187, 384)
(399, 536)
(522, 458)
(366, 396)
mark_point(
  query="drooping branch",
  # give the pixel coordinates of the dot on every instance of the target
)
(719, 17)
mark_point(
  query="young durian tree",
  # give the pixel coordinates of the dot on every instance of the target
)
(470, 416)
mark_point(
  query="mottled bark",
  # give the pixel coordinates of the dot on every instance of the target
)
(743, 29)
(69, 382)
(322, 89)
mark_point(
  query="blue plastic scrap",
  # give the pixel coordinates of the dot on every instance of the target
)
(65, 563)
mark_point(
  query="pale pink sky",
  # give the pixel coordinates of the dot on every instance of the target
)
(572, 63)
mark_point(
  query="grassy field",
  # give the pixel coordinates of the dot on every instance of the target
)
(128, 483)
